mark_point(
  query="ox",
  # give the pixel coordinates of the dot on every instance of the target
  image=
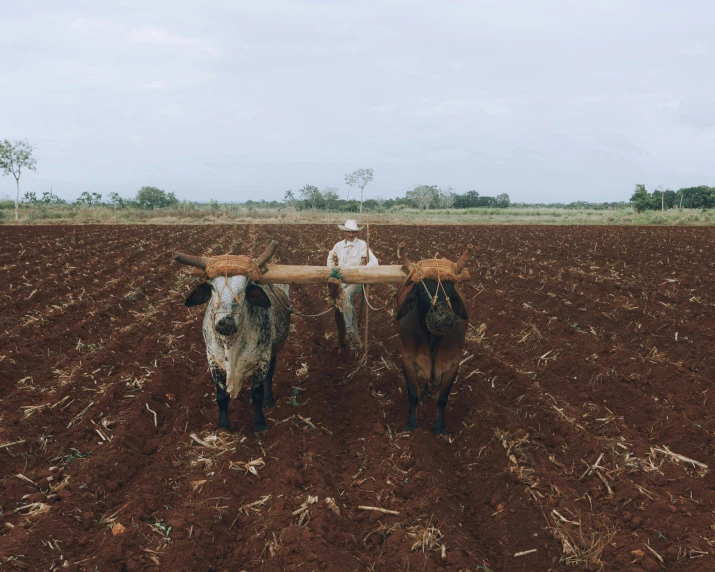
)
(245, 326)
(432, 326)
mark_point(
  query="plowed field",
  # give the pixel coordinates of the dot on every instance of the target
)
(582, 425)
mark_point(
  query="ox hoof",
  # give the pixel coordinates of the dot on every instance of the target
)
(437, 431)
(268, 402)
(409, 428)
(260, 430)
(224, 424)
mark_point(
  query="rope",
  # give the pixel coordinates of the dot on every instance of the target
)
(292, 310)
(252, 267)
(440, 285)
(382, 307)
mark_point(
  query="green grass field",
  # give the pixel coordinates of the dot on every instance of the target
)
(67, 214)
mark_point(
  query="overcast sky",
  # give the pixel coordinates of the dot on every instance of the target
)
(552, 100)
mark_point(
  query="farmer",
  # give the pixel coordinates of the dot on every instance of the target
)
(351, 251)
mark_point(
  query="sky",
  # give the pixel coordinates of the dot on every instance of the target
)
(549, 101)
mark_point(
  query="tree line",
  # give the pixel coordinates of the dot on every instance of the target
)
(146, 198)
(661, 198)
(421, 197)
(18, 156)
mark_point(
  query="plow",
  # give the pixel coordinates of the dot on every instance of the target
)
(258, 270)
(262, 272)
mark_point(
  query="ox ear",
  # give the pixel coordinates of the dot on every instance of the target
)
(200, 295)
(256, 296)
(458, 305)
(406, 301)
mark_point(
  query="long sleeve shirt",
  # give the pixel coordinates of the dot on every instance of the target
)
(350, 253)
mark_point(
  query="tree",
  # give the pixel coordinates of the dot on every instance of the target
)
(466, 201)
(89, 199)
(29, 197)
(640, 198)
(117, 201)
(661, 190)
(446, 199)
(423, 196)
(50, 198)
(502, 201)
(14, 157)
(311, 195)
(153, 198)
(698, 197)
(359, 178)
(331, 198)
(670, 199)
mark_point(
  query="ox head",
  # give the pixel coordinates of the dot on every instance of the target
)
(429, 295)
(227, 295)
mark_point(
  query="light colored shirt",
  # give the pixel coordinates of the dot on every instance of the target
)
(350, 253)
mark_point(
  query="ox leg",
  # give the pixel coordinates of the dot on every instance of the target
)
(259, 421)
(412, 398)
(443, 396)
(257, 395)
(268, 400)
(445, 374)
(222, 397)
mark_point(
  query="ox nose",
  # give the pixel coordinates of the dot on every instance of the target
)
(226, 326)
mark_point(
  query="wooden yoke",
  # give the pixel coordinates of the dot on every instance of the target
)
(288, 274)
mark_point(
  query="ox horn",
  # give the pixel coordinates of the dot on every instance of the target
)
(462, 262)
(402, 257)
(267, 254)
(197, 261)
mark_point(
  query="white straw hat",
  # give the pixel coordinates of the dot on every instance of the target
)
(350, 226)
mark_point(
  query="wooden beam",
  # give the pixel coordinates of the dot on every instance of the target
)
(288, 274)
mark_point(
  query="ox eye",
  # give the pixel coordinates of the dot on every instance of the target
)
(234, 304)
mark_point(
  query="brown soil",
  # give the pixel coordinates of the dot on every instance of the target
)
(585, 343)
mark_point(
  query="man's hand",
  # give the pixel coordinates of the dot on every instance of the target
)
(335, 259)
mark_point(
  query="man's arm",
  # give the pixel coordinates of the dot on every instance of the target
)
(332, 258)
(363, 254)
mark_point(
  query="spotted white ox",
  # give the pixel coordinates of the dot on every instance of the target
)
(245, 326)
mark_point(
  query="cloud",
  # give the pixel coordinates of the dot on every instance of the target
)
(462, 107)
(154, 85)
(164, 39)
(699, 50)
(87, 26)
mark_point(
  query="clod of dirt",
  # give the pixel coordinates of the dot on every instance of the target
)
(87, 518)
(151, 447)
(379, 428)
(636, 522)
(396, 537)
(294, 477)
(118, 529)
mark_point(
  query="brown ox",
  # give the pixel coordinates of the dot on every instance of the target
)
(432, 324)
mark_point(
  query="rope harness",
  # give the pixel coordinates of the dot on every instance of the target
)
(364, 292)
(236, 266)
(441, 316)
(292, 310)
